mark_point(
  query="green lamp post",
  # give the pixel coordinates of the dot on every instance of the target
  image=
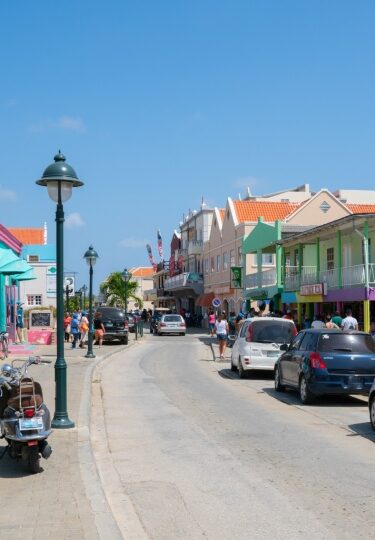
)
(90, 256)
(126, 276)
(60, 179)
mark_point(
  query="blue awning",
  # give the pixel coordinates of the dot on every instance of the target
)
(19, 266)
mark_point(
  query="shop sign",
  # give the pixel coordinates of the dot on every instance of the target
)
(236, 277)
(308, 290)
(51, 282)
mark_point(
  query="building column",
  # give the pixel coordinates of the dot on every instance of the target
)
(339, 259)
(259, 268)
(3, 309)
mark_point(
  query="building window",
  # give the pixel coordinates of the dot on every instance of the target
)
(218, 263)
(267, 259)
(33, 258)
(330, 258)
(239, 256)
(232, 259)
(225, 260)
(34, 299)
(212, 264)
(205, 263)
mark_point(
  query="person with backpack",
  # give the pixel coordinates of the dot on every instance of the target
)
(74, 329)
(349, 322)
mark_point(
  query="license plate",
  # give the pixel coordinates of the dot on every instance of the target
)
(109, 325)
(30, 423)
(354, 382)
(273, 353)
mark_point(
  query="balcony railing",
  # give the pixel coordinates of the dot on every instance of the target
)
(267, 279)
(195, 247)
(348, 276)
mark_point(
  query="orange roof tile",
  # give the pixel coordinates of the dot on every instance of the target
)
(362, 208)
(142, 271)
(269, 211)
(28, 236)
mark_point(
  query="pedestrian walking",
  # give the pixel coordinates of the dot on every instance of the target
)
(221, 330)
(349, 322)
(84, 329)
(329, 323)
(211, 322)
(318, 322)
(67, 329)
(19, 322)
(337, 319)
(99, 329)
(74, 325)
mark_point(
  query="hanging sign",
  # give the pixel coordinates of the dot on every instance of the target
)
(236, 277)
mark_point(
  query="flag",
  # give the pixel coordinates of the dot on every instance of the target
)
(160, 245)
(150, 256)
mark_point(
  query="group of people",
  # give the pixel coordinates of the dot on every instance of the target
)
(336, 321)
(76, 327)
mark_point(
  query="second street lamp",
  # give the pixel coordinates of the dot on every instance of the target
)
(60, 179)
(90, 256)
(126, 276)
(84, 290)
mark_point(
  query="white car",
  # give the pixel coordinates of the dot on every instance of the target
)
(257, 345)
(171, 324)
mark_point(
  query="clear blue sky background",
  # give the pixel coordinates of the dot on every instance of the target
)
(158, 103)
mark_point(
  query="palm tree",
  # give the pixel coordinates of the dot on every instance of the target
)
(113, 290)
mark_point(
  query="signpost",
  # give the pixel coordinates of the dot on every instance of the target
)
(236, 277)
(216, 302)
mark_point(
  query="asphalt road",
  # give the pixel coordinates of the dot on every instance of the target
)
(199, 453)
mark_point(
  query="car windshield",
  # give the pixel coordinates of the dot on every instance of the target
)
(111, 313)
(264, 331)
(159, 314)
(351, 343)
(172, 318)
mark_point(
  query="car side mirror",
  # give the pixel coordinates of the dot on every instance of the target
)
(284, 347)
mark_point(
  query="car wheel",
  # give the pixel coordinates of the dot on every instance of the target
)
(232, 366)
(159, 333)
(241, 372)
(125, 341)
(372, 412)
(305, 394)
(278, 386)
(183, 333)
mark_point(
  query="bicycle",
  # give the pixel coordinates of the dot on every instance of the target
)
(4, 339)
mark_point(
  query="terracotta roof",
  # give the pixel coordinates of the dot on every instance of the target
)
(142, 271)
(362, 208)
(270, 211)
(28, 236)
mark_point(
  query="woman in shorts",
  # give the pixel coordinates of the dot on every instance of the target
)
(221, 330)
(99, 329)
(211, 322)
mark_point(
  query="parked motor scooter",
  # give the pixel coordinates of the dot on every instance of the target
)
(24, 417)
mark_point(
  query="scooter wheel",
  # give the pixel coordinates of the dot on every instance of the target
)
(34, 460)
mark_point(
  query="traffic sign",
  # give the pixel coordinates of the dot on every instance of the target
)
(216, 302)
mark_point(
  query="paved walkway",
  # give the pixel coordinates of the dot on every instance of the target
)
(66, 500)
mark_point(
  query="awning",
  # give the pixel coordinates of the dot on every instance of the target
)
(19, 266)
(25, 276)
(205, 300)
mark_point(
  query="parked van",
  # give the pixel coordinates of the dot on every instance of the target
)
(257, 346)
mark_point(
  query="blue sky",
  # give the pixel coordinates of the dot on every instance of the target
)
(158, 103)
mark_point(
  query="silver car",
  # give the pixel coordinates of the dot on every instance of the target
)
(171, 324)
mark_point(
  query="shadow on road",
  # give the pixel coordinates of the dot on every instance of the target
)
(11, 468)
(291, 398)
(364, 430)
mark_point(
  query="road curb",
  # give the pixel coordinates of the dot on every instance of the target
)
(121, 507)
(105, 520)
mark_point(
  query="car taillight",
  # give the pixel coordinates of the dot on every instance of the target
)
(295, 331)
(182, 324)
(163, 324)
(249, 336)
(126, 325)
(29, 413)
(316, 361)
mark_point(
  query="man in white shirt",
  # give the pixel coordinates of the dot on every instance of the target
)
(318, 322)
(349, 322)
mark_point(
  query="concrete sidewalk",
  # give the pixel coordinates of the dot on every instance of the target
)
(66, 500)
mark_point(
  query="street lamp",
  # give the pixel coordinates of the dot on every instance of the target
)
(84, 290)
(60, 179)
(126, 276)
(90, 256)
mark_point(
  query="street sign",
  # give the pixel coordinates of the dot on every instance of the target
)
(236, 277)
(69, 282)
(216, 302)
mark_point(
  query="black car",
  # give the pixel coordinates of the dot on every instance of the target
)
(115, 324)
(323, 361)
